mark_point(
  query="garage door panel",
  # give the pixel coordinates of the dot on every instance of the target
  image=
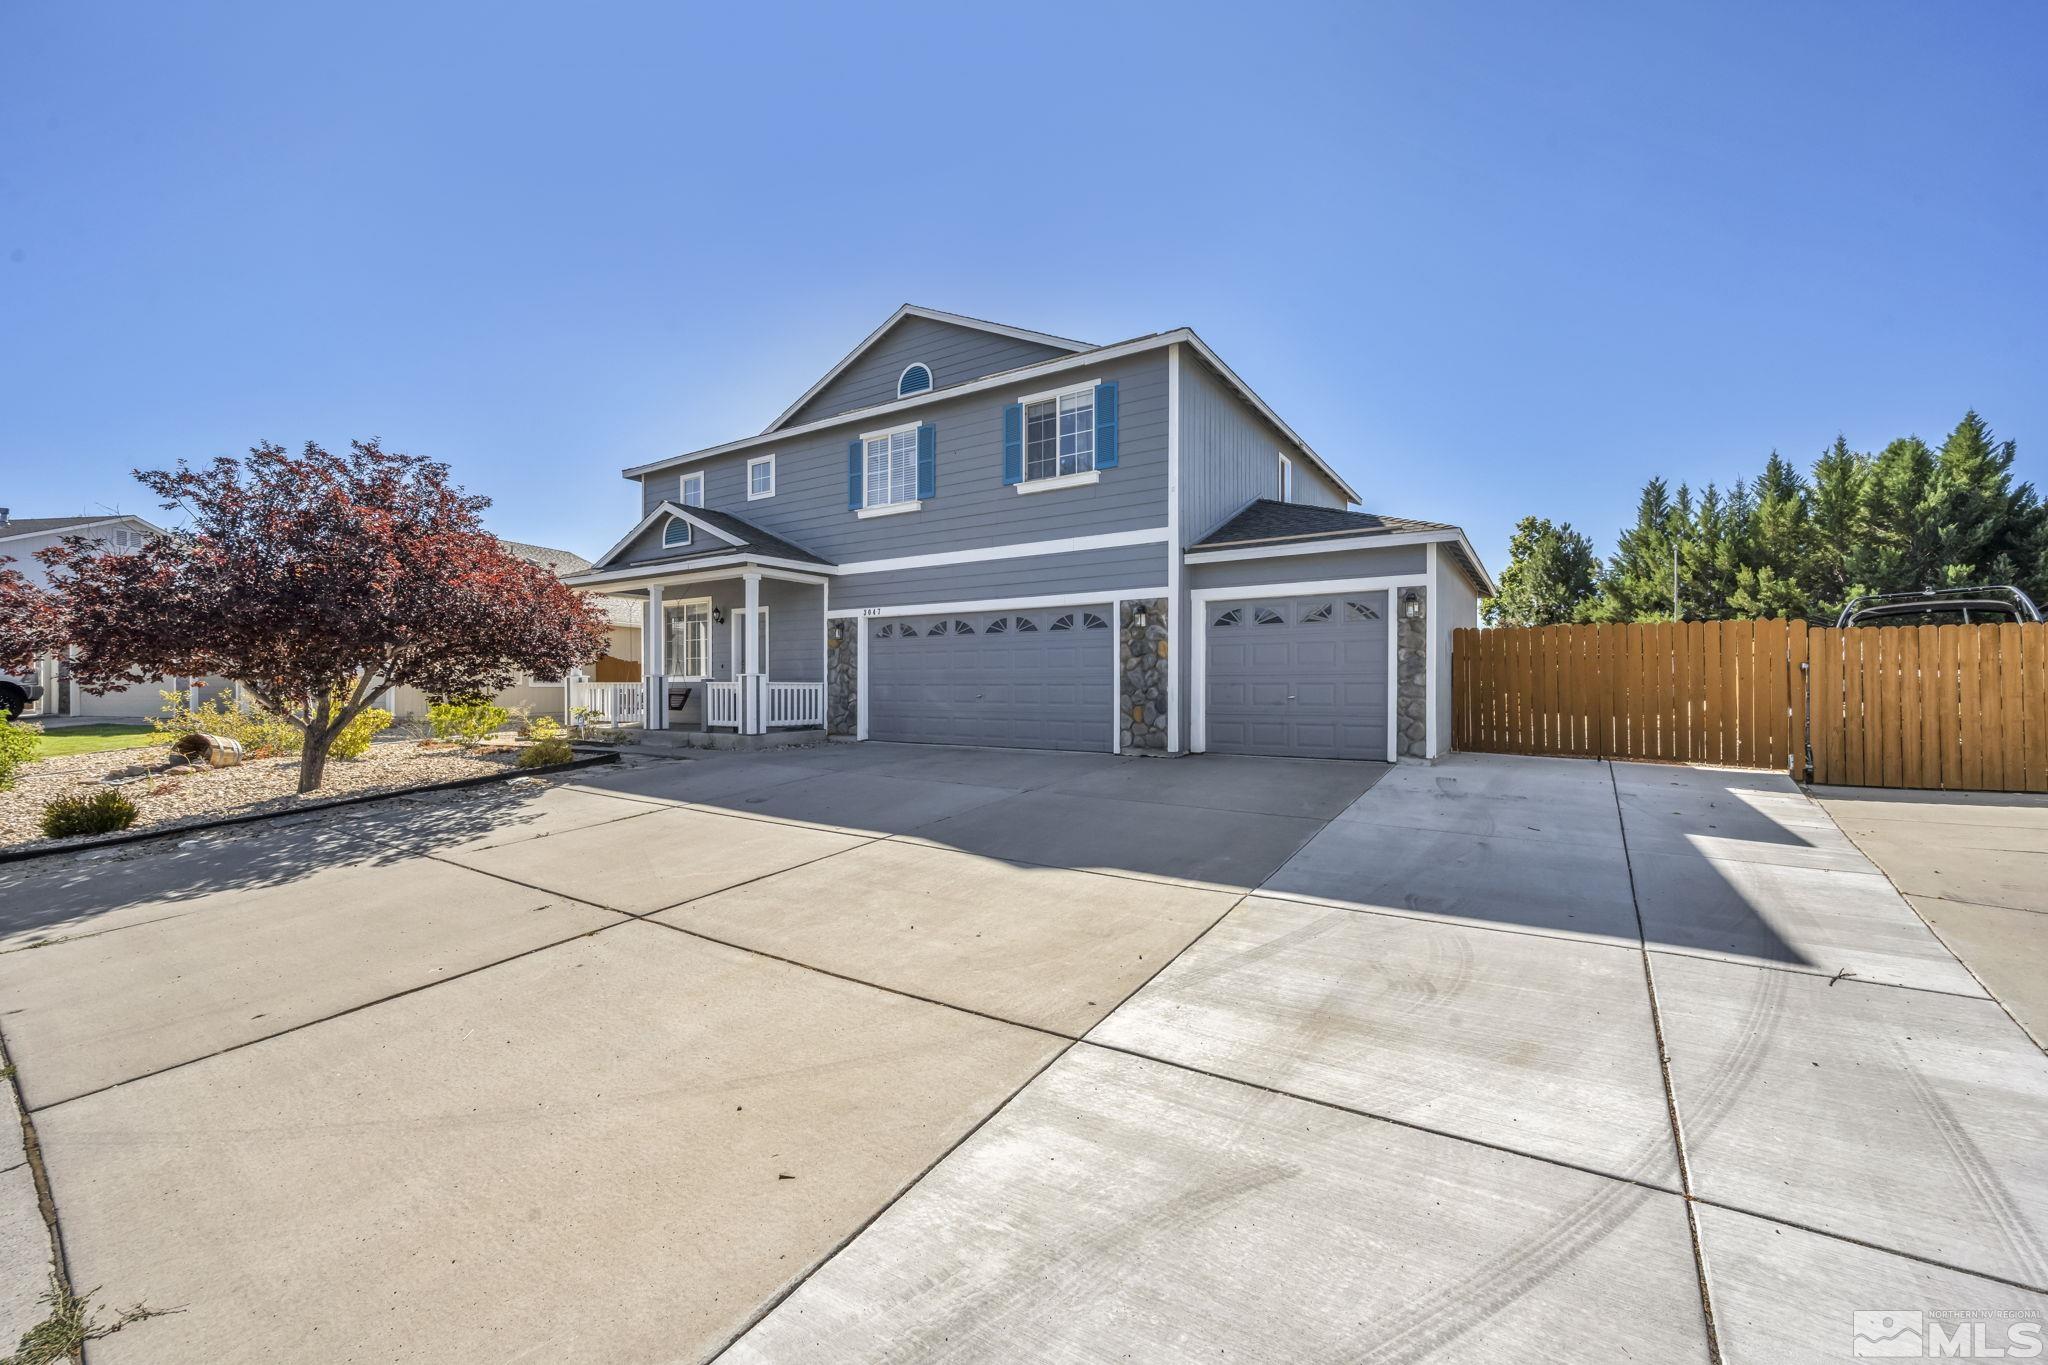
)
(1019, 683)
(1298, 676)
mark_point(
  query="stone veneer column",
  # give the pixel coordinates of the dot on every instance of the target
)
(842, 675)
(1142, 675)
(1411, 721)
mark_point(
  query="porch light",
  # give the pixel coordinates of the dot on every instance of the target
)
(1411, 604)
(718, 615)
(1138, 616)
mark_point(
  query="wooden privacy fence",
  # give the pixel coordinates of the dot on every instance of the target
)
(1954, 707)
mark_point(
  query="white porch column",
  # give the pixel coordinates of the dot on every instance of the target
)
(654, 660)
(750, 683)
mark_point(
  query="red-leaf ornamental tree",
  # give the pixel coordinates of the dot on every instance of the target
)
(27, 621)
(317, 581)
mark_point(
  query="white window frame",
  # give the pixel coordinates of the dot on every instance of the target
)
(683, 490)
(689, 534)
(1046, 483)
(1286, 478)
(769, 460)
(868, 506)
(929, 374)
(684, 604)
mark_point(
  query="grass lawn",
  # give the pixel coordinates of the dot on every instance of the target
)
(92, 739)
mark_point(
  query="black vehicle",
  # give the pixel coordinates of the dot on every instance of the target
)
(1986, 605)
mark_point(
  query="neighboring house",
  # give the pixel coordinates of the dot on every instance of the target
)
(970, 533)
(620, 661)
(20, 539)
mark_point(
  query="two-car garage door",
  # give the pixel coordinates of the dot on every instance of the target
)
(1030, 679)
(1304, 677)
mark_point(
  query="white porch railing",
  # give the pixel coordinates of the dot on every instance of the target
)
(795, 703)
(722, 703)
(616, 703)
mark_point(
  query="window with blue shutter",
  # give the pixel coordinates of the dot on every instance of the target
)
(1013, 443)
(914, 379)
(853, 471)
(1105, 424)
(927, 461)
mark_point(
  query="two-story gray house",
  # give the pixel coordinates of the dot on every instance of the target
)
(969, 533)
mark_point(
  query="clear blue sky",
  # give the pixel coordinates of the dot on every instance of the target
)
(1490, 260)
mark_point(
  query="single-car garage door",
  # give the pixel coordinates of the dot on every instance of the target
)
(1304, 677)
(1029, 679)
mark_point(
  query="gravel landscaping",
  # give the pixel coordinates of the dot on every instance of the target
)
(259, 786)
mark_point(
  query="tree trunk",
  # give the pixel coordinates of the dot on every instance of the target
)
(313, 762)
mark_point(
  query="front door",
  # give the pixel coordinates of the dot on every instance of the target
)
(740, 662)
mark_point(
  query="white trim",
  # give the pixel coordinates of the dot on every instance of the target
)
(703, 567)
(889, 509)
(733, 620)
(1314, 545)
(1176, 629)
(1024, 549)
(683, 488)
(1058, 481)
(860, 682)
(896, 430)
(1430, 602)
(80, 528)
(769, 460)
(689, 534)
(1082, 599)
(911, 310)
(1100, 355)
(1054, 395)
(705, 602)
(930, 375)
(1286, 472)
(1198, 610)
(654, 514)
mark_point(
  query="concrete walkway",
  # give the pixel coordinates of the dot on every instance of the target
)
(904, 1053)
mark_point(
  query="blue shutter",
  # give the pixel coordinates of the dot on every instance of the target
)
(927, 460)
(1105, 424)
(1013, 443)
(854, 501)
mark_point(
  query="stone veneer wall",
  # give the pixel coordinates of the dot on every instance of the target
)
(842, 675)
(1412, 671)
(1142, 675)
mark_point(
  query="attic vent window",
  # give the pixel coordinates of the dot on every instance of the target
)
(915, 379)
(675, 533)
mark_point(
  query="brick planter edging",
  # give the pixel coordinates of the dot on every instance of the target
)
(21, 855)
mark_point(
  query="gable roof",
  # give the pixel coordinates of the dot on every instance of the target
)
(744, 537)
(15, 527)
(1301, 527)
(563, 562)
(911, 310)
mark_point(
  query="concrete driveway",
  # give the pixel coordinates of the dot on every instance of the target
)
(903, 1053)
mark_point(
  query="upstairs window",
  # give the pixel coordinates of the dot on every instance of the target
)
(914, 379)
(760, 477)
(1286, 493)
(675, 534)
(891, 468)
(692, 494)
(1059, 435)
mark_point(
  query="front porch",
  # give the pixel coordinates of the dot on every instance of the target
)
(733, 654)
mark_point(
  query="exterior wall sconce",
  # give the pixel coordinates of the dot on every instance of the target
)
(1411, 604)
(718, 616)
(1138, 616)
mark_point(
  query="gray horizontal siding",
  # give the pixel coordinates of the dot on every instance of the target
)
(1368, 563)
(646, 548)
(973, 508)
(956, 355)
(1089, 571)
(796, 625)
(1229, 454)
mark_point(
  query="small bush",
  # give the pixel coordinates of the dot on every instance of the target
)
(546, 754)
(544, 728)
(101, 813)
(467, 720)
(17, 746)
(354, 739)
(260, 733)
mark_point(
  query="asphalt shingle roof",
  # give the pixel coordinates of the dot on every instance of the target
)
(620, 611)
(28, 526)
(1267, 519)
(759, 542)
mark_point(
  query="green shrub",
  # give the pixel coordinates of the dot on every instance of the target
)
(260, 733)
(546, 754)
(17, 746)
(354, 739)
(101, 813)
(467, 720)
(544, 728)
